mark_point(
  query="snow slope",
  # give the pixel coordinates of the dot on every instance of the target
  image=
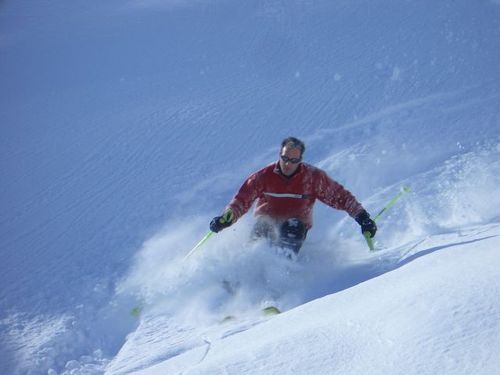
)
(126, 126)
(436, 311)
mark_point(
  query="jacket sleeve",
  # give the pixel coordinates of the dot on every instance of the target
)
(335, 195)
(244, 198)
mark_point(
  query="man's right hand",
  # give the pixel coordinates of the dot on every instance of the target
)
(219, 223)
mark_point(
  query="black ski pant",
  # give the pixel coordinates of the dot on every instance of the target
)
(289, 234)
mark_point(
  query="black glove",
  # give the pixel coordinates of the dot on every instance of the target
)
(367, 224)
(219, 223)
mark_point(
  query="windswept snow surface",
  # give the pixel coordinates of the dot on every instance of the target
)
(126, 126)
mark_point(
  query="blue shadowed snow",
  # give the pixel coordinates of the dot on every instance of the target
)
(126, 126)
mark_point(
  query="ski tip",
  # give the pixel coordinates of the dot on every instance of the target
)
(136, 311)
(406, 189)
(271, 310)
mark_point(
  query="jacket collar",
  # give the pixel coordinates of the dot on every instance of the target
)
(277, 170)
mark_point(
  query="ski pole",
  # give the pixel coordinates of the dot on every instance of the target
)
(393, 201)
(225, 218)
(198, 245)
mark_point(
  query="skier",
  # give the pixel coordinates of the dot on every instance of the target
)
(285, 192)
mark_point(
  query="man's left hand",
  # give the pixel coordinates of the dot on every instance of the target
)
(367, 224)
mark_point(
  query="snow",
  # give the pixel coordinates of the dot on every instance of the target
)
(437, 320)
(126, 126)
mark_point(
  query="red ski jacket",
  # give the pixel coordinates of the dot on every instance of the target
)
(281, 197)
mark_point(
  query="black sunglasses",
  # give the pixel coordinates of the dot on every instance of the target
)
(286, 159)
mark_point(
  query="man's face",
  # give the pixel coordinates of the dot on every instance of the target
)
(290, 159)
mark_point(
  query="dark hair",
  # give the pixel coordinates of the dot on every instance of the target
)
(294, 143)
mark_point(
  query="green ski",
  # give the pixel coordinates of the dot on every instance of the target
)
(271, 310)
